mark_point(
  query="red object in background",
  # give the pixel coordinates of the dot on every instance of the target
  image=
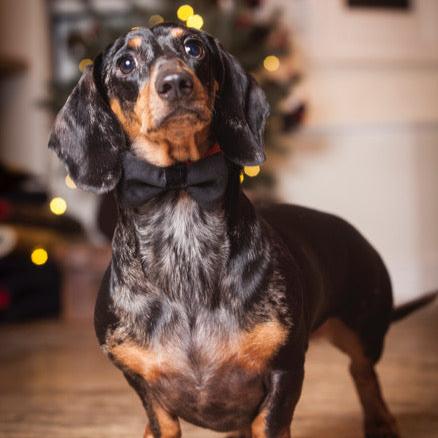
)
(244, 20)
(5, 299)
(5, 209)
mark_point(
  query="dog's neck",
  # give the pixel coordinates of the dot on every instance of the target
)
(182, 247)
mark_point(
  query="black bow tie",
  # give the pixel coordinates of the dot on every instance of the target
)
(204, 180)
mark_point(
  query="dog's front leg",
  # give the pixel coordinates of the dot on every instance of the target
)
(161, 424)
(276, 412)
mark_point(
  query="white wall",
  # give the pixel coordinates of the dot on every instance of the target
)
(23, 126)
(369, 150)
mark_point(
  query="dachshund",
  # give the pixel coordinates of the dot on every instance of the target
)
(208, 303)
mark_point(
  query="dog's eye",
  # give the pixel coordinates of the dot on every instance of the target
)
(126, 64)
(194, 48)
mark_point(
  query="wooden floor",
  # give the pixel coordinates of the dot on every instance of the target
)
(54, 382)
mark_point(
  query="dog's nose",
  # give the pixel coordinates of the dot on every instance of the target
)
(173, 86)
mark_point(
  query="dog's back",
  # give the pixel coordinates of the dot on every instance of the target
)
(343, 274)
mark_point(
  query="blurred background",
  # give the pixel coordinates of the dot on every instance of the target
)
(354, 129)
(353, 86)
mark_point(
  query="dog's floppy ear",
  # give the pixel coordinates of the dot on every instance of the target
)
(87, 136)
(240, 113)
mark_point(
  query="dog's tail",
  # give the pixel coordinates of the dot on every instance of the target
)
(409, 307)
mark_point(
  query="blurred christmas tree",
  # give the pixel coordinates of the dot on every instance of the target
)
(260, 42)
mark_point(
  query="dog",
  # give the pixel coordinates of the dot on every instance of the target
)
(208, 303)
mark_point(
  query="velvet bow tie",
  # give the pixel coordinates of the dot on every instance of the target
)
(204, 180)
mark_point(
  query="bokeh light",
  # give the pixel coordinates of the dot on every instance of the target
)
(155, 19)
(195, 22)
(84, 63)
(271, 63)
(39, 256)
(252, 170)
(69, 182)
(58, 205)
(184, 12)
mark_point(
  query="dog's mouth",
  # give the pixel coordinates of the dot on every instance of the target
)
(182, 114)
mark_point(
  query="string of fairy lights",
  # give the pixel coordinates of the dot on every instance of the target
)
(187, 14)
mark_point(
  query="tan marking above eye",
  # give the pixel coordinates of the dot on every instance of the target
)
(135, 43)
(177, 32)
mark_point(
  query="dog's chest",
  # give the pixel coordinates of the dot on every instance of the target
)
(181, 246)
(183, 333)
(210, 361)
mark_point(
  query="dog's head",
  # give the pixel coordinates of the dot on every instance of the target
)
(166, 93)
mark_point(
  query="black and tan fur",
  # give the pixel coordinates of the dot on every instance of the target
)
(208, 313)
